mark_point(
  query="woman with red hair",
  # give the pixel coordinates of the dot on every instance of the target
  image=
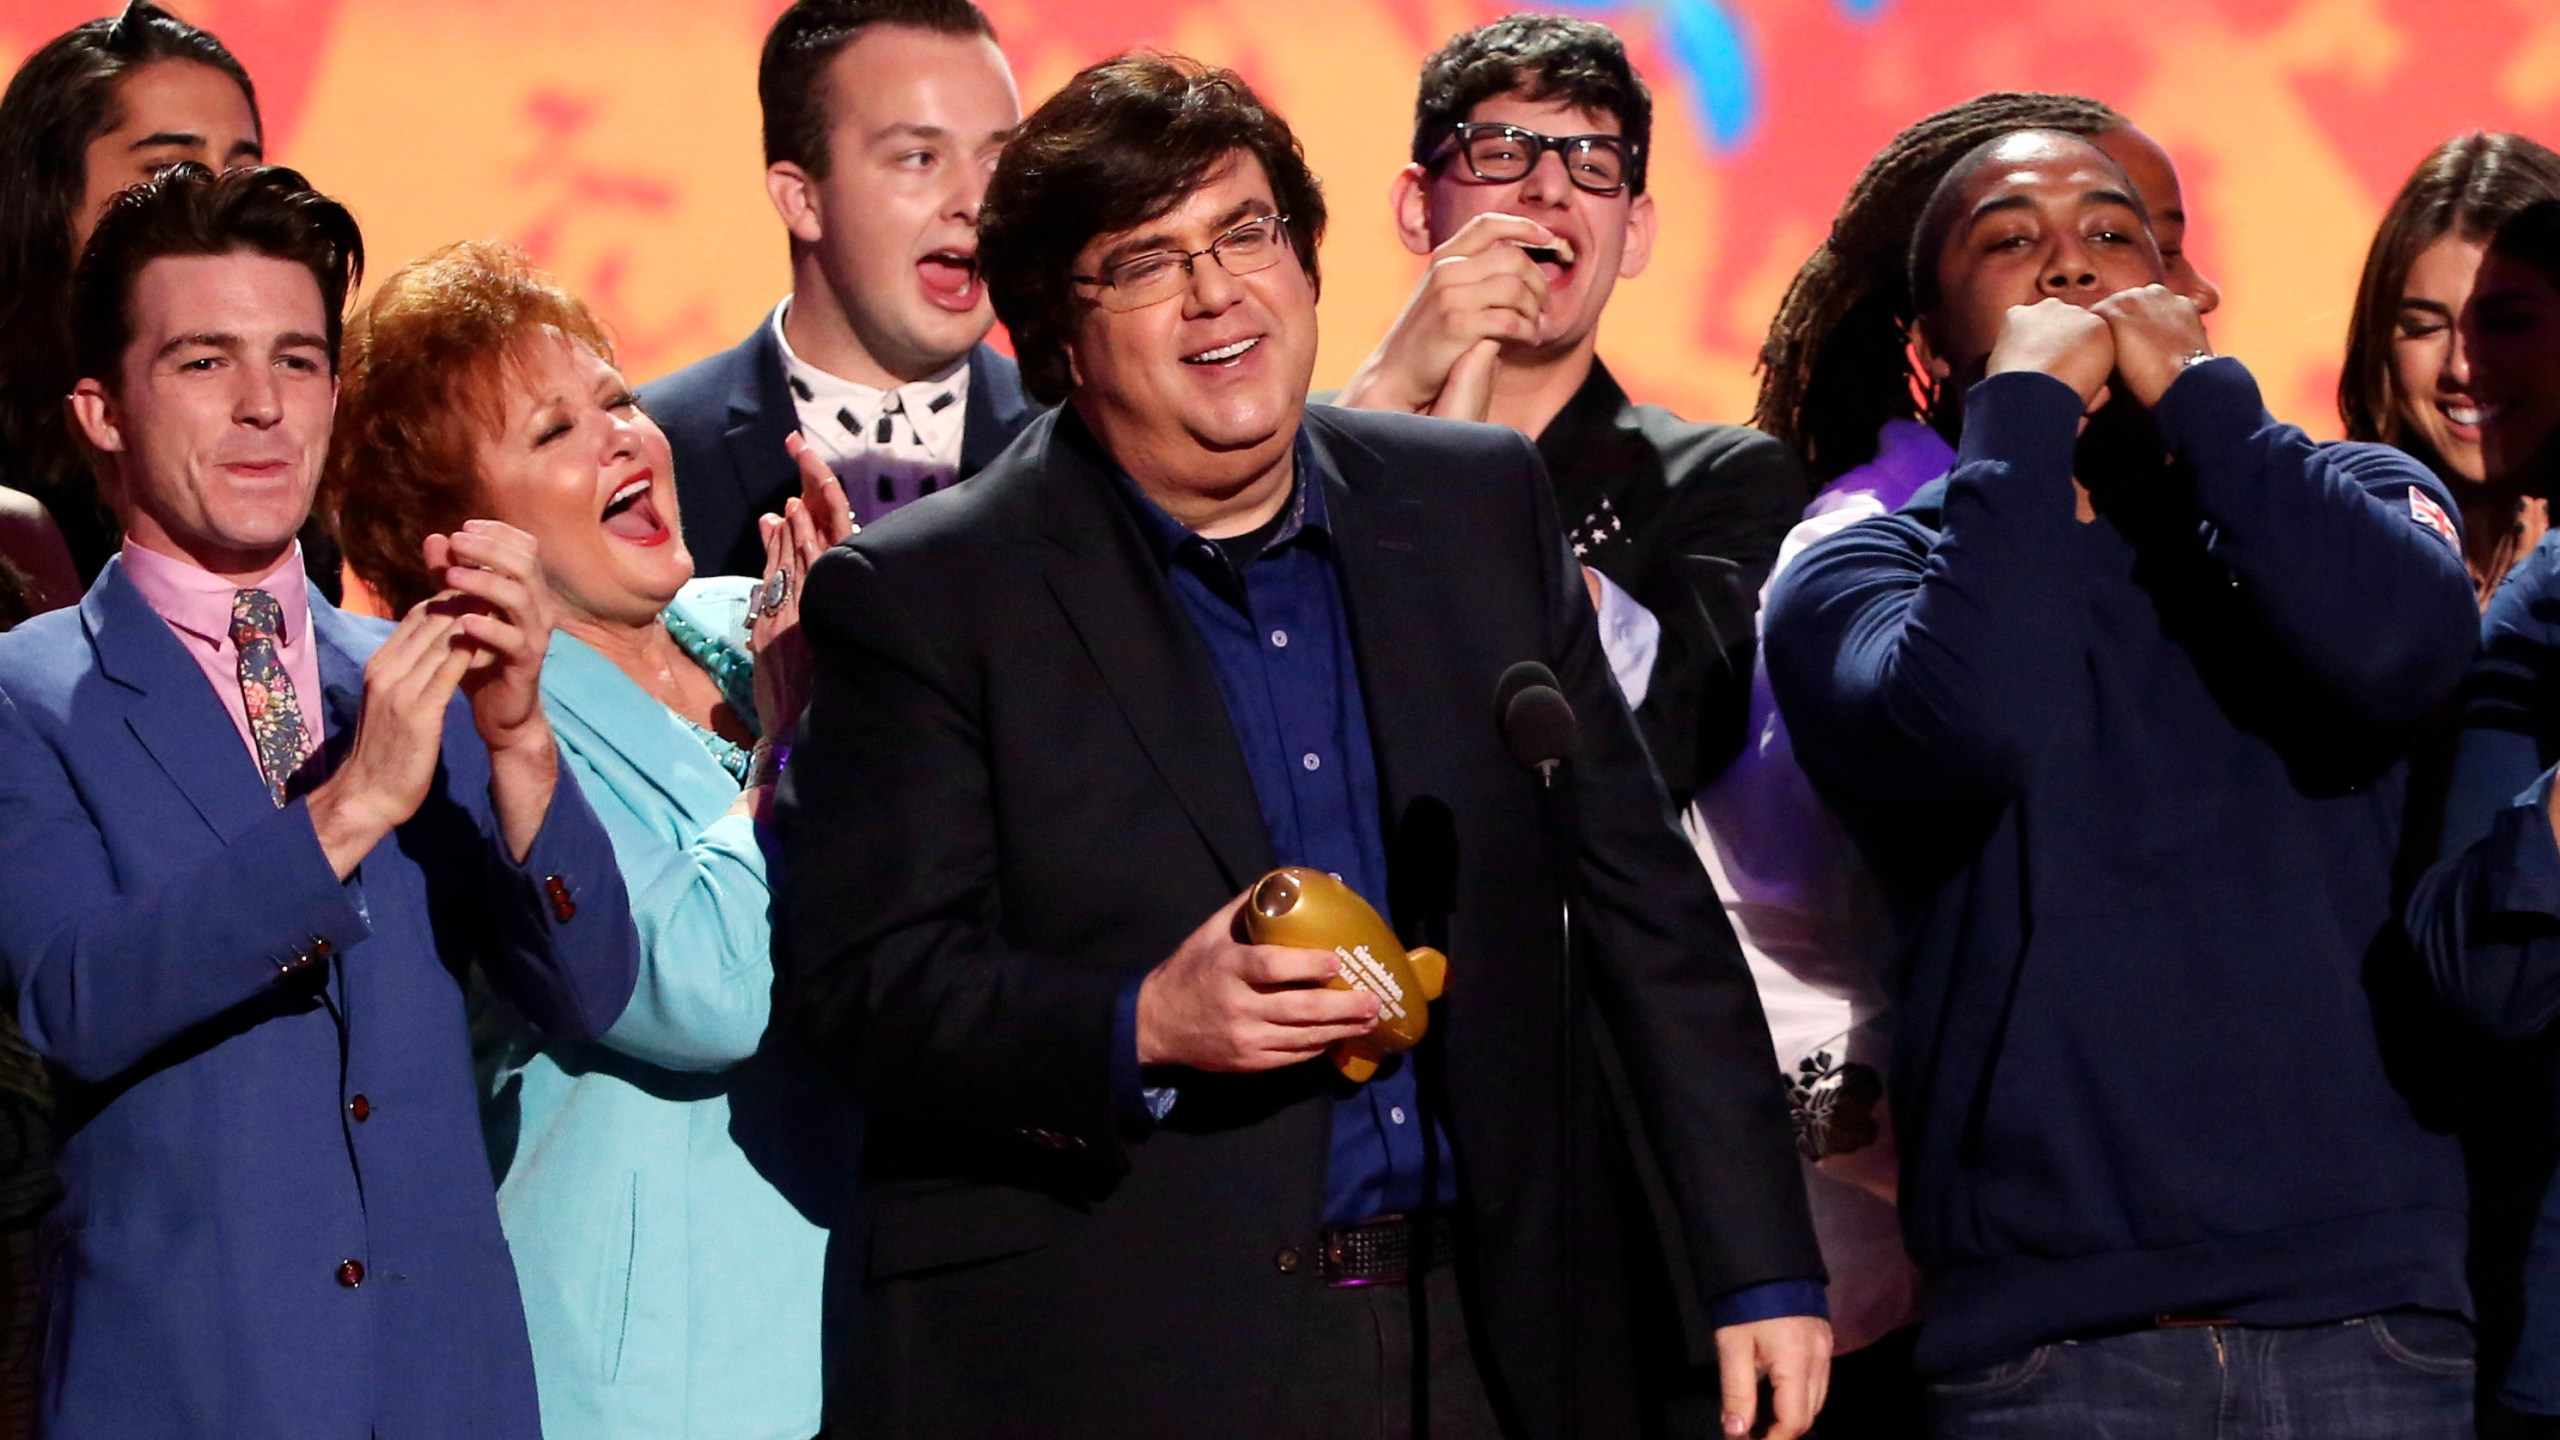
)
(670, 1288)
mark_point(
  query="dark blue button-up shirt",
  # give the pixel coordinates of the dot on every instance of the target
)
(1281, 648)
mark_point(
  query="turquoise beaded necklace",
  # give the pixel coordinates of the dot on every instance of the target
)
(734, 671)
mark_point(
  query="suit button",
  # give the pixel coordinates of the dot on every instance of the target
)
(320, 946)
(1287, 1262)
(563, 909)
(361, 1108)
(351, 1273)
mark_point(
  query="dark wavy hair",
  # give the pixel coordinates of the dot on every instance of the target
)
(63, 97)
(2467, 187)
(1121, 144)
(1544, 58)
(189, 210)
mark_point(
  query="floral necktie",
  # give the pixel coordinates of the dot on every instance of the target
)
(275, 713)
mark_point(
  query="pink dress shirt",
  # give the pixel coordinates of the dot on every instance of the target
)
(197, 605)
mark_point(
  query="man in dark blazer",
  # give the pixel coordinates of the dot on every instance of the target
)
(253, 847)
(1527, 191)
(881, 122)
(1186, 630)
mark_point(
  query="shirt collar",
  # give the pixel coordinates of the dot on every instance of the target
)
(1594, 409)
(1168, 538)
(933, 404)
(196, 600)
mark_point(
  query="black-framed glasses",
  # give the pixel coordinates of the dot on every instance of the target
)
(1500, 154)
(1155, 276)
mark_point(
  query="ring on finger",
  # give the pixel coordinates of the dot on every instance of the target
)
(774, 593)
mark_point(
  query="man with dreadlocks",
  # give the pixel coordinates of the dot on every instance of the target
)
(1801, 901)
(1837, 383)
(1527, 190)
(2116, 710)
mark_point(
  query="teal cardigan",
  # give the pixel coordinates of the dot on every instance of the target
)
(670, 1290)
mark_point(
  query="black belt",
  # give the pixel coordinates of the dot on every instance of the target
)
(1386, 1251)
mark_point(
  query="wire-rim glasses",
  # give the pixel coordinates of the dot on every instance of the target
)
(1155, 276)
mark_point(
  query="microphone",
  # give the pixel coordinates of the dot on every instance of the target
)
(1518, 678)
(1537, 722)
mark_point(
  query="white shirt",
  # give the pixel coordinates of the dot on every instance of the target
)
(886, 447)
(1814, 926)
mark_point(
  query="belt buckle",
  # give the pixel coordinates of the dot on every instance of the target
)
(1389, 1250)
(2181, 1320)
(1373, 1252)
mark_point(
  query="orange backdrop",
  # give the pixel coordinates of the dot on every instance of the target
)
(618, 138)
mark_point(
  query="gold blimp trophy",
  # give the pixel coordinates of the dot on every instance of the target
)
(1311, 910)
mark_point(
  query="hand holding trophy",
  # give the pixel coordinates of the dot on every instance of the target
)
(1309, 909)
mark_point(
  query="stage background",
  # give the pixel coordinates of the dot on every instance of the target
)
(617, 139)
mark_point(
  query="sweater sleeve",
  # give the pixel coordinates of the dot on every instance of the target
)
(1918, 661)
(2348, 552)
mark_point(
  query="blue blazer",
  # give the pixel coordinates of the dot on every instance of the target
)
(278, 1218)
(727, 416)
(671, 1289)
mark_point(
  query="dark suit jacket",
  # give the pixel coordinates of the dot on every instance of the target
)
(1687, 518)
(727, 415)
(1016, 791)
(243, 1108)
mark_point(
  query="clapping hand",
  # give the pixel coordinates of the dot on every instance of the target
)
(810, 522)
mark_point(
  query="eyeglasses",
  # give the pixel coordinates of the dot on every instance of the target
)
(1158, 275)
(1500, 154)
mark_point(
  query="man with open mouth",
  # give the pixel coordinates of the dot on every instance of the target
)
(1187, 629)
(1527, 191)
(881, 125)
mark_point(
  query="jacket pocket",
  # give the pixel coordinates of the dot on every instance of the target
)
(959, 1224)
(613, 1280)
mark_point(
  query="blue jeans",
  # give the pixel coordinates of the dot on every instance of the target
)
(2402, 1376)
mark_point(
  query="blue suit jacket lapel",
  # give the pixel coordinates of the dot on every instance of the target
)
(998, 409)
(343, 651)
(174, 712)
(761, 416)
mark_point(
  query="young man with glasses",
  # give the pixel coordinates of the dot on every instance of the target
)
(1527, 191)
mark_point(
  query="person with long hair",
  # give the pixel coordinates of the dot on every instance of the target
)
(2410, 379)
(670, 1290)
(99, 107)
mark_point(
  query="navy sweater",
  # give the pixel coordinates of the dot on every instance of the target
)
(2487, 917)
(2133, 787)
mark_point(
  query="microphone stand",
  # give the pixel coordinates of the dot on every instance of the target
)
(1538, 728)
(1555, 801)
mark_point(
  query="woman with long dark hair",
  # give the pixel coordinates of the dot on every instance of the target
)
(99, 107)
(2410, 379)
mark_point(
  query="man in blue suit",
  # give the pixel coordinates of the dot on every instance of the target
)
(882, 119)
(252, 847)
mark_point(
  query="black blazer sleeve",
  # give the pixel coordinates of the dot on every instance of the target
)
(1668, 980)
(892, 954)
(1734, 497)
